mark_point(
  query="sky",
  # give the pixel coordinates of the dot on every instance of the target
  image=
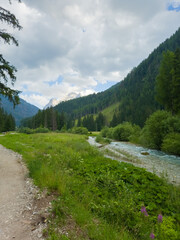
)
(74, 48)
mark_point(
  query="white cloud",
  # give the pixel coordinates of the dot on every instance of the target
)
(83, 42)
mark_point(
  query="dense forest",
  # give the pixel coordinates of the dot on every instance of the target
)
(7, 122)
(53, 120)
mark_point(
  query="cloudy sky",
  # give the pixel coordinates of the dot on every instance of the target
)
(69, 48)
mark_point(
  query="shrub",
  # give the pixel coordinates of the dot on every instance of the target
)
(31, 131)
(102, 140)
(41, 130)
(26, 130)
(171, 143)
(122, 132)
(157, 126)
(79, 130)
(107, 132)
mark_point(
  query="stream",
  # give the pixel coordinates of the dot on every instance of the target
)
(160, 163)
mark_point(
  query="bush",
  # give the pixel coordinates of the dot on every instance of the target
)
(79, 130)
(171, 143)
(26, 130)
(107, 132)
(122, 132)
(157, 126)
(31, 131)
(102, 140)
(41, 130)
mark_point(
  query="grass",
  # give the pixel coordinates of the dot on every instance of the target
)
(97, 198)
(109, 111)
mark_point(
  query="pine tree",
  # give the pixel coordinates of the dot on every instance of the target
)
(7, 71)
(164, 81)
(168, 82)
(176, 82)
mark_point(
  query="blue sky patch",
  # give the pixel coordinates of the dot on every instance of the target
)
(58, 81)
(174, 6)
(103, 86)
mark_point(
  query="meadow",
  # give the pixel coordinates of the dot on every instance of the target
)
(97, 198)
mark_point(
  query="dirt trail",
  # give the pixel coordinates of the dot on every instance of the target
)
(21, 217)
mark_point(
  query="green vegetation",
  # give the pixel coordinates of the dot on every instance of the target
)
(79, 130)
(7, 122)
(102, 140)
(53, 120)
(31, 131)
(109, 111)
(123, 132)
(168, 82)
(97, 198)
(7, 71)
(171, 143)
(161, 131)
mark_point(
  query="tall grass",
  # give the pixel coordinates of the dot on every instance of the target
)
(97, 198)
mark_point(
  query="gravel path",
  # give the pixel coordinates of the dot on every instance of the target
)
(21, 217)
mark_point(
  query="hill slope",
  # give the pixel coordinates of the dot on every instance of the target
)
(23, 110)
(135, 94)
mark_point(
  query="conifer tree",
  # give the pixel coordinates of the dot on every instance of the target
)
(176, 82)
(7, 71)
(168, 82)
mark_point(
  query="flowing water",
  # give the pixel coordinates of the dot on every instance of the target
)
(162, 164)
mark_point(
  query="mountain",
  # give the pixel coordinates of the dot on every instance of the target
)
(135, 95)
(22, 110)
(52, 103)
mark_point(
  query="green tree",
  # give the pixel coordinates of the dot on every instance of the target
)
(168, 82)
(164, 81)
(7, 71)
(176, 82)
(157, 127)
(100, 121)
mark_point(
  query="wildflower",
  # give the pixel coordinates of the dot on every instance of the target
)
(160, 218)
(143, 210)
(152, 236)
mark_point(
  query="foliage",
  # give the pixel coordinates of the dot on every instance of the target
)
(156, 128)
(79, 130)
(171, 143)
(168, 81)
(7, 122)
(6, 70)
(102, 197)
(102, 140)
(31, 131)
(123, 131)
(53, 120)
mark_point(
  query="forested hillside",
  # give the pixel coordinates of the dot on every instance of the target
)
(135, 94)
(7, 122)
(23, 110)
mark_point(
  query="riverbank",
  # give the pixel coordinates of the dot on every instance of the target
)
(96, 197)
(162, 164)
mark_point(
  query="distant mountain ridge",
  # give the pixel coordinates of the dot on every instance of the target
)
(22, 110)
(135, 94)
